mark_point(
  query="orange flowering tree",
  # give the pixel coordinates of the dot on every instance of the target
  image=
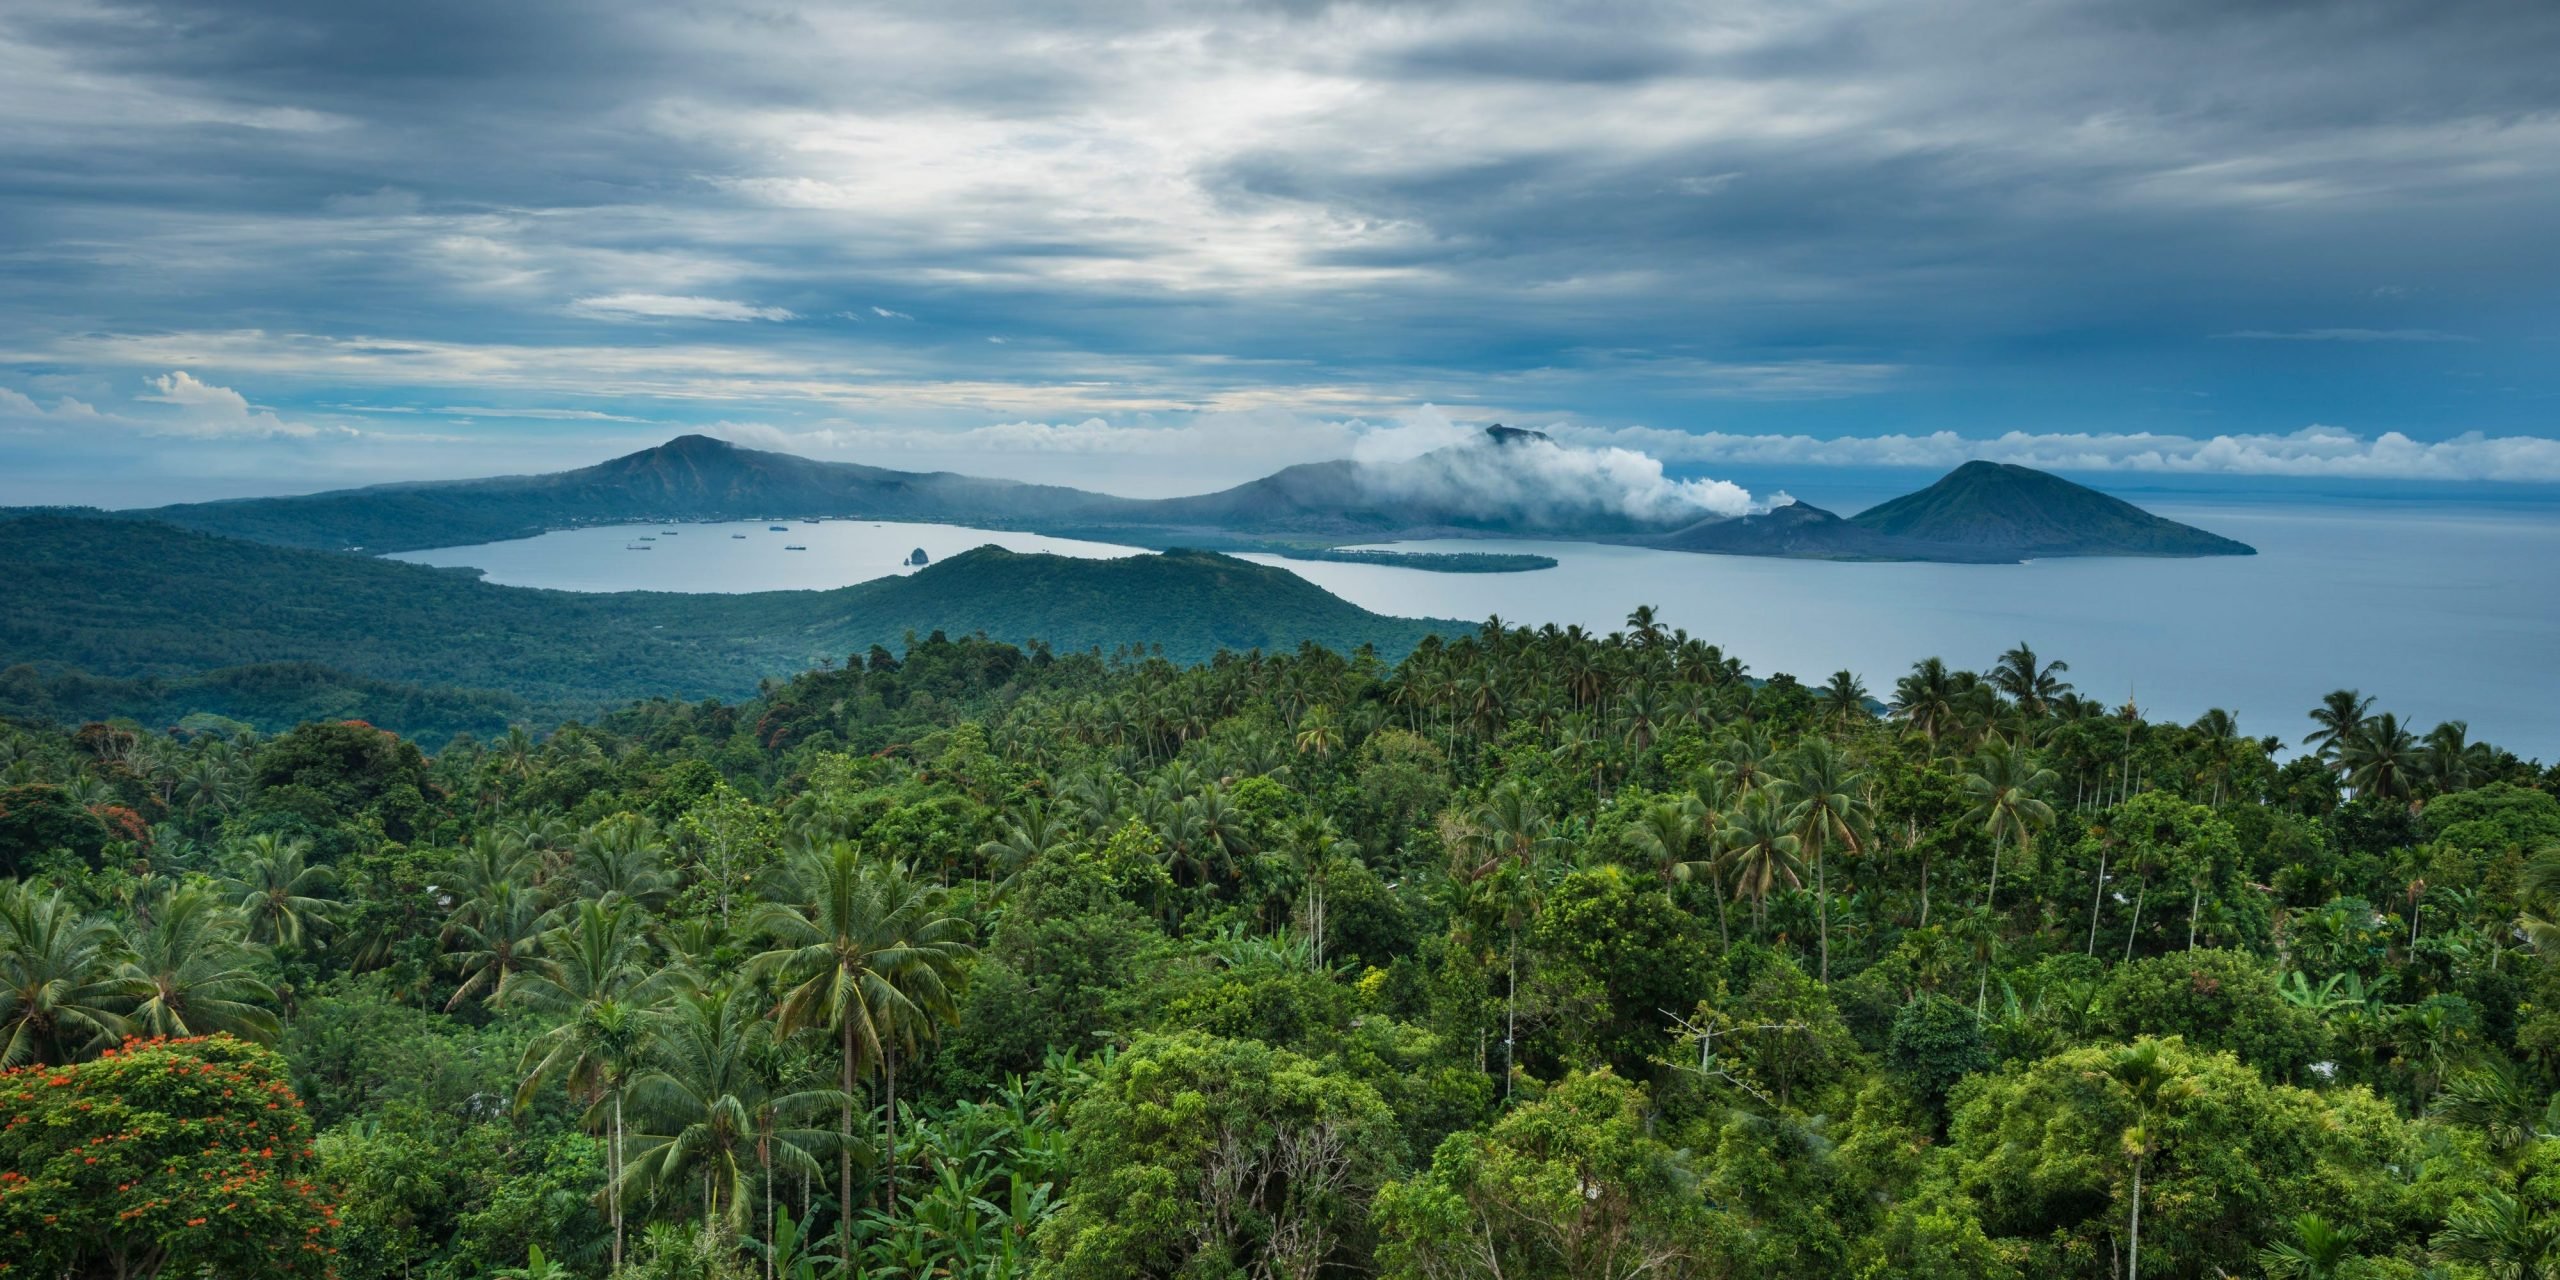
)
(160, 1156)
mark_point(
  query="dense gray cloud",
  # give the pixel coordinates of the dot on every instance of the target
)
(1826, 221)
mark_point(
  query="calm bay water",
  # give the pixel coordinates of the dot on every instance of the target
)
(706, 557)
(2439, 614)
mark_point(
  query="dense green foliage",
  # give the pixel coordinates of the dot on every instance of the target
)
(141, 620)
(1536, 954)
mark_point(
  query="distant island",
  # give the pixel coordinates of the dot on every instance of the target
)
(1430, 561)
(1981, 512)
(1504, 483)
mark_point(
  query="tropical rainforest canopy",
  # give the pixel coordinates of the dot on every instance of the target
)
(1536, 954)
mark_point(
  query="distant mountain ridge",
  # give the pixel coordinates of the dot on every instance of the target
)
(1503, 483)
(1796, 530)
(691, 477)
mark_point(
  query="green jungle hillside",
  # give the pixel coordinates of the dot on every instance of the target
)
(1534, 955)
(115, 617)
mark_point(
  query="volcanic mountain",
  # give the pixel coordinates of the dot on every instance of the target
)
(2022, 513)
(1506, 482)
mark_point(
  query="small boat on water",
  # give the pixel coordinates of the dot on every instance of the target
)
(646, 538)
(670, 532)
(739, 536)
(637, 546)
(795, 548)
(779, 528)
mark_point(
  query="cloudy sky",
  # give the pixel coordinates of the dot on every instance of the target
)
(257, 247)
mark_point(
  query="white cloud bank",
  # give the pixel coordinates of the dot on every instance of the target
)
(2314, 451)
(673, 306)
(1234, 446)
(197, 409)
(2348, 335)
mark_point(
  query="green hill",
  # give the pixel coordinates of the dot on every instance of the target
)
(2021, 513)
(136, 617)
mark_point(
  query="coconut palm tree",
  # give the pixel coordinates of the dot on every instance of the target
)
(278, 890)
(212, 780)
(516, 754)
(58, 982)
(2382, 759)
(1761, 849)
(2452, 761)
(593, 974)
(1926, 699)
(699, 1101)
(1504, 844)
(493, 858)
(494, 939)
(1843, 699)
(1644, 628)
(624, 857)
(1664, 836)
(1024, 837)
(1319, 732)
(2224, 748)
(1829, 808)
(2003, 787)
(2335, 719)
(190, 971)
(866, 952)
(2033, 685)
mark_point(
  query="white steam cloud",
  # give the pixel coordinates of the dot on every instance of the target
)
(1427, 459)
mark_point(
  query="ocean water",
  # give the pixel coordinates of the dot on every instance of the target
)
(2440, 613)
(707, 557)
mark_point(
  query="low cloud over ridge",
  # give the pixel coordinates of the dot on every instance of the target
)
(2314, 451)
(1631, 460)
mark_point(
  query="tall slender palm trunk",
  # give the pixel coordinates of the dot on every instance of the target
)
(889, 1061)
(2133, 1269)
(2136, 929)
(1990, 906)
(1510, 1015)
(844, 1155)
(1822, 912)
(615, 1184)
(2096, 896)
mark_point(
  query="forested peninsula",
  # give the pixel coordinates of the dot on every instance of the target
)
(1535, 953)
